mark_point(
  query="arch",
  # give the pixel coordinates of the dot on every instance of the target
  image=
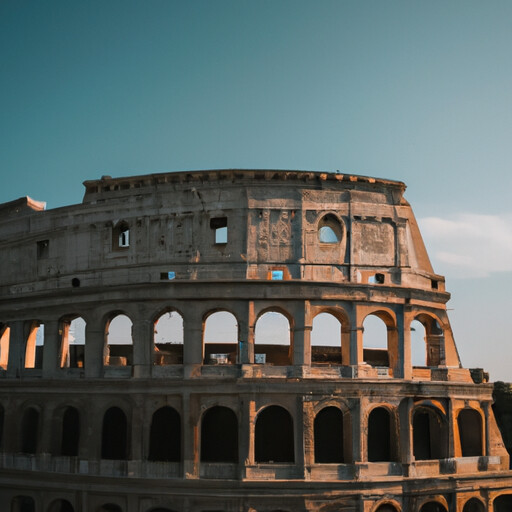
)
(418, 344)
(387, 507)
(381, 436)
(379, 339)
(434, 335)
(160, 509)
(119, 341)
(430, 433)
(219, 435)
(433, 506)
(502, 503)
(274, 439)
(72, 345)
(330, 229)
(114, 439)
(34, 348)
(30, 431)
(23, 504)
(165, 435)
(61, 506)
(272, 338)
(469, 422)
(220, 337)
(326, 339)
(328, 436)
(121, 236)
(70, 437)
(109, 507)
(168, 336)
(5, 335)
(473, 505)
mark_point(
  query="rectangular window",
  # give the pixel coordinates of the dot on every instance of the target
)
(277, 275)
(124, 238)
(220, 227)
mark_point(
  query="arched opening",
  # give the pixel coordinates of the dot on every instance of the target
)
(30, 431)
(469, 422)
(165, 435)
(386, 507)
(430, 434)
(72, 343)
(330, 230)
(119, 349)
(433, 337)
(219, 435)
(274, 436)
(168, 339)
(5, 333)
(272, 339)
(326, 339)
(35, 346)
(70, 432)
(328, 428)
(114, 435)
(220, 338)
(110, 507)
(503, 503)
(433, 506)
(418, 344)
(61, 506)
(474, 505)
(23, 504)
(381, 436)
(375, 341)
(121, 236)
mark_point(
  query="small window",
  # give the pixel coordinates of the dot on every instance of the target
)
(43, 249)
(121, 236)
(220, 226)
(168, 276)
(435, 284)
(329, 230)
(277, 275)
(377, 279)
(124, 238)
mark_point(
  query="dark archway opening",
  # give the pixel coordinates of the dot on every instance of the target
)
(114, 435)
(379, 435)
(430, 436)
(61, 506)
(386, 508)
(469, 422)
(70, 432)
(165, 436)
(30, 431)
(503, 503)
(110, 507)
(219, 435)
(433, 506)
(23, 504)
(274, 435)
(328, 427)
(474, 505)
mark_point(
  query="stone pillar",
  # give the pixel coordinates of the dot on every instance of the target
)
(192, 340)
(406, 434)
(246, 321)
(142, 337)
(46, 433)
(355, 355)
(308, 419)
(191, 413)
(16, 349)
(244, 437)
(299, 436)
(52, 347)
(302, 334)
(485, 433)
(94, 346)
(359, 452)
(137, 429)
(451, 429)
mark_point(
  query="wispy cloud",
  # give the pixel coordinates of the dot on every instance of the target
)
(469, 245)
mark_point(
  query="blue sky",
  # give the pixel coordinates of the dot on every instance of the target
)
(407, 90)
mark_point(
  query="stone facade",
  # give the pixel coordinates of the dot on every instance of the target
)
(168, 419)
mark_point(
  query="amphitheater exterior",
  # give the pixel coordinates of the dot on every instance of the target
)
(168, 417)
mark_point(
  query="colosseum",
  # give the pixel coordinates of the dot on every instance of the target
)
(195, 341)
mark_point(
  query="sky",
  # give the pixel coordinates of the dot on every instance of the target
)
(409, 90)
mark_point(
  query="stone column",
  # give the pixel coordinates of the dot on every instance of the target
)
(299, 436)
(302, 334)
(359, 453)
(94, 346)
(51, 350)
(246, 321)
(192, 340)
(191, 413)
(16, 349)
(244, 437)
(406, 433)
(142, 337)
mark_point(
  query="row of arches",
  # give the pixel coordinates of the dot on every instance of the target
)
(501, 503)
(222, 338)
(273, 435)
